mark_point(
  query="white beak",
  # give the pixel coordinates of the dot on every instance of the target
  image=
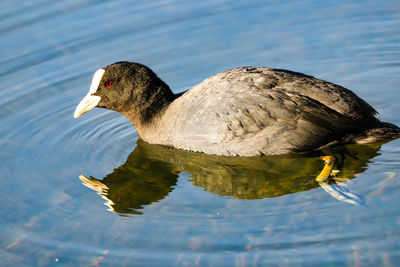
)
(90, 100)
(86, 104)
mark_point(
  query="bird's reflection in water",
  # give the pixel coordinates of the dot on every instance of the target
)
(151, 171)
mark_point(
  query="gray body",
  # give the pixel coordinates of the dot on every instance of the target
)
(259, 111)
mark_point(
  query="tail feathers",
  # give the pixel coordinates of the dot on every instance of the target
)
(380, 132)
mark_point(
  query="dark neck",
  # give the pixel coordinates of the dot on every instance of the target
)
(154, 102)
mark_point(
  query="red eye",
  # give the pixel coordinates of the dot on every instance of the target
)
(108, 84)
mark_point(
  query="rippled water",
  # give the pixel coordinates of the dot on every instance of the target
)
(148, 205)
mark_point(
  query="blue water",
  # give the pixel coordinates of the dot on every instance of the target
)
(160, 207)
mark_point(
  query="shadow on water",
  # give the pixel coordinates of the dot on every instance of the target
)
(151, 171)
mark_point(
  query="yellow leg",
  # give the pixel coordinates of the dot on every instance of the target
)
(328, 182)
(326, 172)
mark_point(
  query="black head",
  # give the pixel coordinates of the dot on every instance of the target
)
(129, 88)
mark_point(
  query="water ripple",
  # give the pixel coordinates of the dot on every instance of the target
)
(49, 53)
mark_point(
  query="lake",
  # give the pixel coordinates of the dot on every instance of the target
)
(87, 191)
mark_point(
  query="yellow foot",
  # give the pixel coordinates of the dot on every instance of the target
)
(328, 182)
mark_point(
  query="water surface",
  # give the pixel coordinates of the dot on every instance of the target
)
(157, 206)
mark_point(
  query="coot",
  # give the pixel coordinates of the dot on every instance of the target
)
(246, 111)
